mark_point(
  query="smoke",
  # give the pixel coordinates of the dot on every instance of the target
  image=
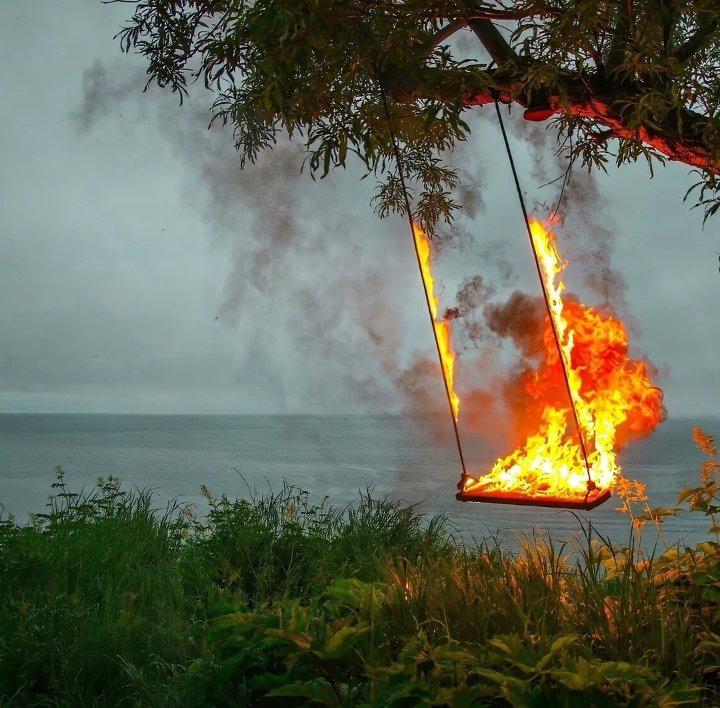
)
(469, 193)
(260, 202)
(472, 293)
(512, 324)
(587, 228)
(256, 210)
(298, 288)
(99, 95)
(594, 244)
(521, 320)
(297, 281)
(572, 192)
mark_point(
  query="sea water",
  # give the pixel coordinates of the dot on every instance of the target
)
(337, 456)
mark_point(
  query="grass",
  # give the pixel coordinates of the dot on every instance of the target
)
(105, 600)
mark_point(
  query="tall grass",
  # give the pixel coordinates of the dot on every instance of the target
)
(95, 586)
(106, 599)
(283, 544)
(542, 593)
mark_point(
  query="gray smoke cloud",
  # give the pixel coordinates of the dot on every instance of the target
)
(102, 93)
(128, 228)
(284, 252)
(573, 193)
(322, 314)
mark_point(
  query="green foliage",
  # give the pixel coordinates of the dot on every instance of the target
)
(93, 592)
(334, 656)
(642, 73)
(105, 598)
(278, 601)
(284, 544)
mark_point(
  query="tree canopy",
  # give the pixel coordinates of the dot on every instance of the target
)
(621, 79)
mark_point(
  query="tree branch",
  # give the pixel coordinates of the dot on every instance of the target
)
(501, 15)
(697, 41)
(669, 23)
(495, 44)
(584, 99)
(676, 147)
(448, 31)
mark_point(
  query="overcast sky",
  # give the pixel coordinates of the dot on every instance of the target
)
(141, 271)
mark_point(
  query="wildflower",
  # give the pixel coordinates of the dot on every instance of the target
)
(708, 470)
(207, 494)
(631, 492)
(705, 442)
(639, 523)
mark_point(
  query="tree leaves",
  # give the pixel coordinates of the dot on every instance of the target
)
(314, 69)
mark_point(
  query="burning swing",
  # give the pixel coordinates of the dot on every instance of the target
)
(586, 350)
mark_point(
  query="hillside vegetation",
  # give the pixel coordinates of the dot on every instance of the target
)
(277, 601)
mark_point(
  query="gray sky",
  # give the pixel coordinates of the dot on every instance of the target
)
(141, 271)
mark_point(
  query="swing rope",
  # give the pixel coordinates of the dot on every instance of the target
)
(556, 336)
(399, 164)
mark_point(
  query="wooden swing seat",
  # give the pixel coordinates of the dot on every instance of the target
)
(594, 498)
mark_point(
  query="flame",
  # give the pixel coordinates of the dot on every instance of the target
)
(443, 328)
(613, 394)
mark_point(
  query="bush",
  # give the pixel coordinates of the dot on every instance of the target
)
(105, 599)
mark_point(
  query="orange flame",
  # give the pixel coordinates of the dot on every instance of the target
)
(613, 395)
(443, 328)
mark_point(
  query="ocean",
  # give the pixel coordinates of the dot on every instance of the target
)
(337, 456)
